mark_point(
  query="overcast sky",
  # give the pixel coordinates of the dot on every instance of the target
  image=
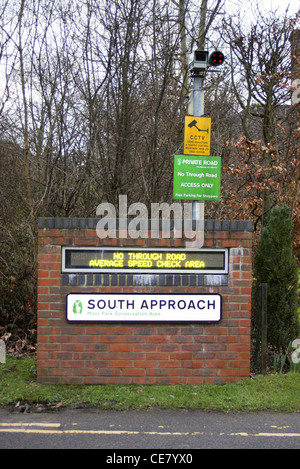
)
(264, 5)
(281, 6)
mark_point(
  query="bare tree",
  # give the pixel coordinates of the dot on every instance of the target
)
(260, 64)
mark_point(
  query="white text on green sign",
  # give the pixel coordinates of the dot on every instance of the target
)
(197, 177)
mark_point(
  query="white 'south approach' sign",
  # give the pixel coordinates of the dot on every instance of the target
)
(144, 307)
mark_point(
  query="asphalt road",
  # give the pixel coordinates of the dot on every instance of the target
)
(175, 433)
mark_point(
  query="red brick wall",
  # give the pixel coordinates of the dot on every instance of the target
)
(102, 353)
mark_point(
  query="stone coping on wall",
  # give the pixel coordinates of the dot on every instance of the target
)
(90, 223)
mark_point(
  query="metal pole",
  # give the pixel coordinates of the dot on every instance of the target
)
(263, 325)
(198, 99)
(197, 111)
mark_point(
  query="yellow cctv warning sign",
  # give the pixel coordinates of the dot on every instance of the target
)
(197, 135)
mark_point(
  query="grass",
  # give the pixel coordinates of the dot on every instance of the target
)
(277, 392)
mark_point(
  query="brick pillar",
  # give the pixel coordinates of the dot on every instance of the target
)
(143, 353)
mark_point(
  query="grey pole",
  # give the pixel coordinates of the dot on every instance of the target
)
(198, 98)
(199, 61)
(197, 110)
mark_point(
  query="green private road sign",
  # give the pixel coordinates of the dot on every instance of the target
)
(197, 177)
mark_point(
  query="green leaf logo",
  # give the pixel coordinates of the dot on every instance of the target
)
(77, 307)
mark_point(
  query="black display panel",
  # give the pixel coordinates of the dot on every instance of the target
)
(102, 259)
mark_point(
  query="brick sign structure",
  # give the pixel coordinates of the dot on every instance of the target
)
(159, 326)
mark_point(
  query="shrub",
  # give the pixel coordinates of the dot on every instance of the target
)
(275, 264)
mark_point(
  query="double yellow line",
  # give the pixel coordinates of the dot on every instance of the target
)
(55, 428)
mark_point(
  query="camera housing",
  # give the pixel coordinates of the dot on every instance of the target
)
(199, 60)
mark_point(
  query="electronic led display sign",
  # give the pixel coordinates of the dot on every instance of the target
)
(104, 259)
